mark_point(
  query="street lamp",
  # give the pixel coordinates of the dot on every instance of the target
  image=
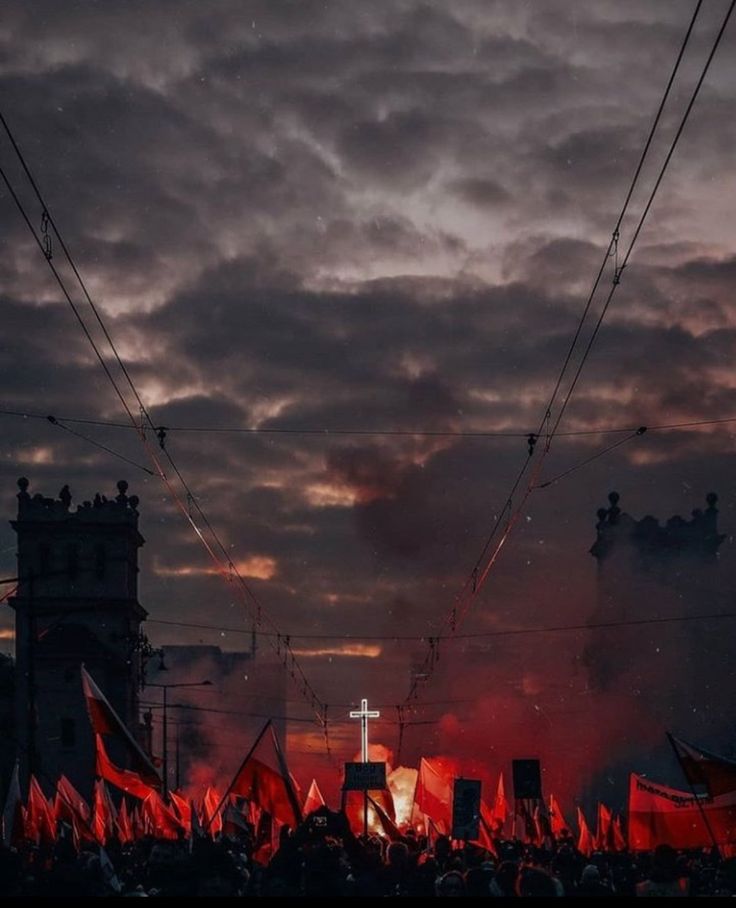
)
(165, 689)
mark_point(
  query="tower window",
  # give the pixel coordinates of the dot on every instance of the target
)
(72, 561)
(100, 561)
(68, 732)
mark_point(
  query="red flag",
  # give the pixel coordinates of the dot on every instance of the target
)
(195, 822)
(716, 774)
(433, 833)
(211, 819)
(183, 808)
(103, 813)
(603, 832)
(127, 780)
(273, 790)
(585, 839)
(125, 825)
(164, 823)
(233, 821)
(40, 826)
(70, 807)
(13, 814)
(289, 783)
(105, 721)
(314, 799)
(267, 788)
(557, 819)
(389, 826)
(433, 794)
(485, 830)
(500, 806)
(619, 839)
(263, 848)
(659, 815)
(69, 804)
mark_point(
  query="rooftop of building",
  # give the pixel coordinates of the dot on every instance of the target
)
(121, 508)
(697, 536)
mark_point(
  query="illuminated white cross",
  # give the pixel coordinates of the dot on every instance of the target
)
(364, 714)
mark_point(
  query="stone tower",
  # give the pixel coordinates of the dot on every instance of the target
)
(76, 602)
(657, 642)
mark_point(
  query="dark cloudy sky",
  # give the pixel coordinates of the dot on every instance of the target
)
(372, 216)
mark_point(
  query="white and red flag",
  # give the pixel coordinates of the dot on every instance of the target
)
(434, 792)
(314, 799)
(105, 721)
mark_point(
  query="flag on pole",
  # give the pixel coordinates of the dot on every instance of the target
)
(389, 826)
(124, 824)
(703, 768)
(71, 808)
(433, 795)
(211, 819)
(659, 815)
(603, 831)
(69, 803)
(103, 813)
(557, 819)
(585, 838)
(234, 822)
(486, 830)
(40, 826)
(196, 823)
(314, 799)
(183, 808)
(273, 790)
(164, 823)
(268, 789)
(619, 839)
(500, 806)
(126, 779)
(105, 721)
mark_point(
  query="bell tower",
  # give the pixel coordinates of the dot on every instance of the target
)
(76, 602)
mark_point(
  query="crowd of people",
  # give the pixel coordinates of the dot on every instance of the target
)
(323, 858)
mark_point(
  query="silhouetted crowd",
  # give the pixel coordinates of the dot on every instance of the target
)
(322, 858)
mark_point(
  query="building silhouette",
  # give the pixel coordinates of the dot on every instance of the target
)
(657, 586)
(76, 603)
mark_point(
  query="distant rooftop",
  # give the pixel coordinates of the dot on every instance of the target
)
(100, 509)
(699, 535)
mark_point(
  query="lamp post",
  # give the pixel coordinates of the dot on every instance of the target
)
(165, 688)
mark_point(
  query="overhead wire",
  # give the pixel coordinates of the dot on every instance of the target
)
(486, 561)
(477, 576)
(228, 569)
(326, 432)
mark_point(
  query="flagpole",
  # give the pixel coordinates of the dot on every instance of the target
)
(414, 796)
(287, 777)
(697, 799)
(240, 769)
